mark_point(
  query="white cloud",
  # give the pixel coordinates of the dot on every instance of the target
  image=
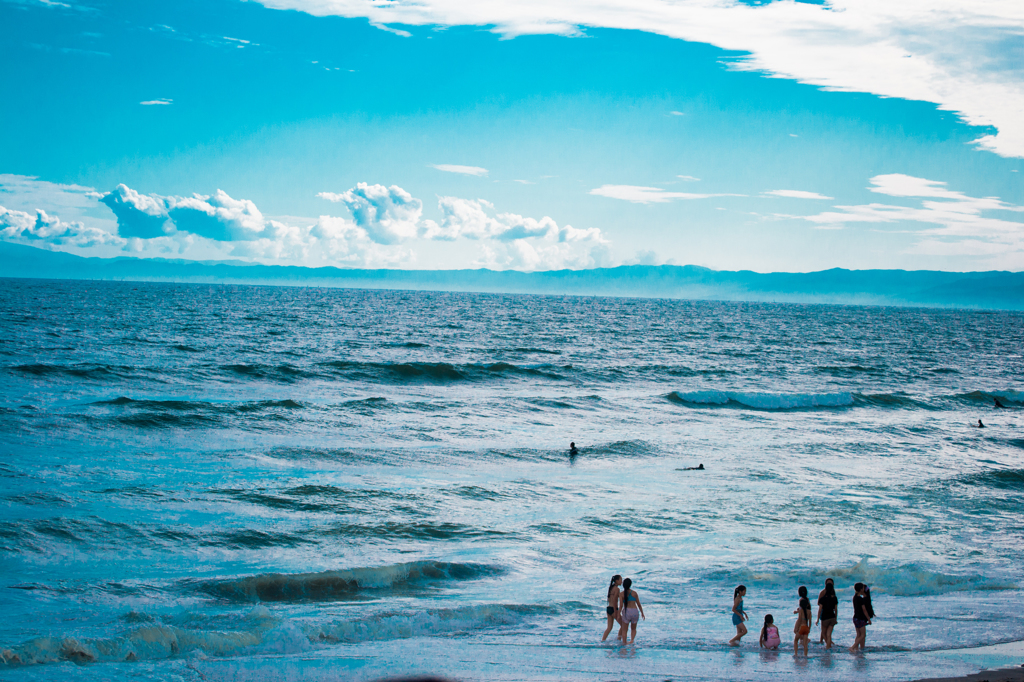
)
(688, 178)
(152, 102)
(388, 214)
(796, 194)
(677, 113)
(138, 215)
(646, 195)
(958, 55)
(956, 219)
(19, 226)
(476, 171)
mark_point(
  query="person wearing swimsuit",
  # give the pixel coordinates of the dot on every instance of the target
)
(738, 614)
(770, 638)
(862, 614)
(632, 611)
(613, 605)
(802, 629)
(828, 606)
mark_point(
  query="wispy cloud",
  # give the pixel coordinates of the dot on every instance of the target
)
(795, 194)
(476, 171)
(948, 52)
(956, 219)
(647, 195)
(151, 102)
(688, 178)
(677, 113)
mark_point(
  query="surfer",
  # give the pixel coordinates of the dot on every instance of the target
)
(999, 404)
(980, 425)
(572, 450)
(700, 467)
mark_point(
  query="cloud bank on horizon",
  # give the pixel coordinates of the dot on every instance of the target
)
(955, 54)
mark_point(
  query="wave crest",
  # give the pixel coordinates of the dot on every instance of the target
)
(762, 401)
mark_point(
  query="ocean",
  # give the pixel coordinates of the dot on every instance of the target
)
(259, 483)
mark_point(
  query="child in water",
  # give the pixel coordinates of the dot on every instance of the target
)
(770, 638)
(738, 615)
(802, 629)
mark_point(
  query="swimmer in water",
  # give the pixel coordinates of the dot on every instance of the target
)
(980, 425)
(696, 468)
(572, 450)
(999, 404)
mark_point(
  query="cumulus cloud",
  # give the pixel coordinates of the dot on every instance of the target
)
(138, 215)
(646, 195)
(959, 224)
(948, 52)
(388, 214)
(462, 170)
(42, 228)
(795, 194)
(217, 217)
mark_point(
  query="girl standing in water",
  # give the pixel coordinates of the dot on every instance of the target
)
(613, 604)
(828, 605)
(802, 629)
(632, 611)
(862, 614)
(738, 614)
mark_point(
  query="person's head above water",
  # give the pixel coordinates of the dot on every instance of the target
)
(700, 466)
(980, 425)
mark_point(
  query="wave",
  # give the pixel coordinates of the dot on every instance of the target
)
(79, 371)
(910, 580)
(1007, 397)
(154, 414)
(260, 632)
(432, 622)
(440, 372)
(1005, 479)
(345, 584)
(762, 401)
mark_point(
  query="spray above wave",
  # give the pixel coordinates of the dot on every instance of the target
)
(762, 401)
(908, 580)
(346, 584)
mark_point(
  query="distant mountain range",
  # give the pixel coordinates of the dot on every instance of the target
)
(985, 290)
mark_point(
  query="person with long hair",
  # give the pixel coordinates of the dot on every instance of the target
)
(612, 608)
(828, 612)
(862, 615)
(802, 629)
(632, 610)
(738, 614)
(770, 638)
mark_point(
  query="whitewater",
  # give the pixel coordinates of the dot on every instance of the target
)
(204, 482)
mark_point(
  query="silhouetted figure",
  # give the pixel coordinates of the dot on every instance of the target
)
(572, 450)
(999, 404)
(980, 425)
(696, 468)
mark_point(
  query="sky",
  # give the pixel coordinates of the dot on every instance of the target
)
(518, 134)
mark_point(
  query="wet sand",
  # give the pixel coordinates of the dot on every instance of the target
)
(1002, 675)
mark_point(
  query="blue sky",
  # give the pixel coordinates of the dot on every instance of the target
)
(768, 136)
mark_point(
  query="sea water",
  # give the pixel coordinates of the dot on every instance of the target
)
(252, 483)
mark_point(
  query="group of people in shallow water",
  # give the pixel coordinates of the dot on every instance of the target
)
(625, 609)
(828, 616)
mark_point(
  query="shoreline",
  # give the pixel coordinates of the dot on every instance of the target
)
(1015, 674)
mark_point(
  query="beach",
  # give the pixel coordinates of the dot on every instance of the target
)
(221, 482)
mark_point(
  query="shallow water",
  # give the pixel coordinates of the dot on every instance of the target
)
(269, 483)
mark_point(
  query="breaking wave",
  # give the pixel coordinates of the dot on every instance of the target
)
(909, 580)
(346, 584)
(762, 401)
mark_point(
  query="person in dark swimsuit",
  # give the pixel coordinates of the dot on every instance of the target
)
(862, 614)
(613, 605)
(980, 425)
(999, 404)
(696, 468)
(572, 450)
(828, 612)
